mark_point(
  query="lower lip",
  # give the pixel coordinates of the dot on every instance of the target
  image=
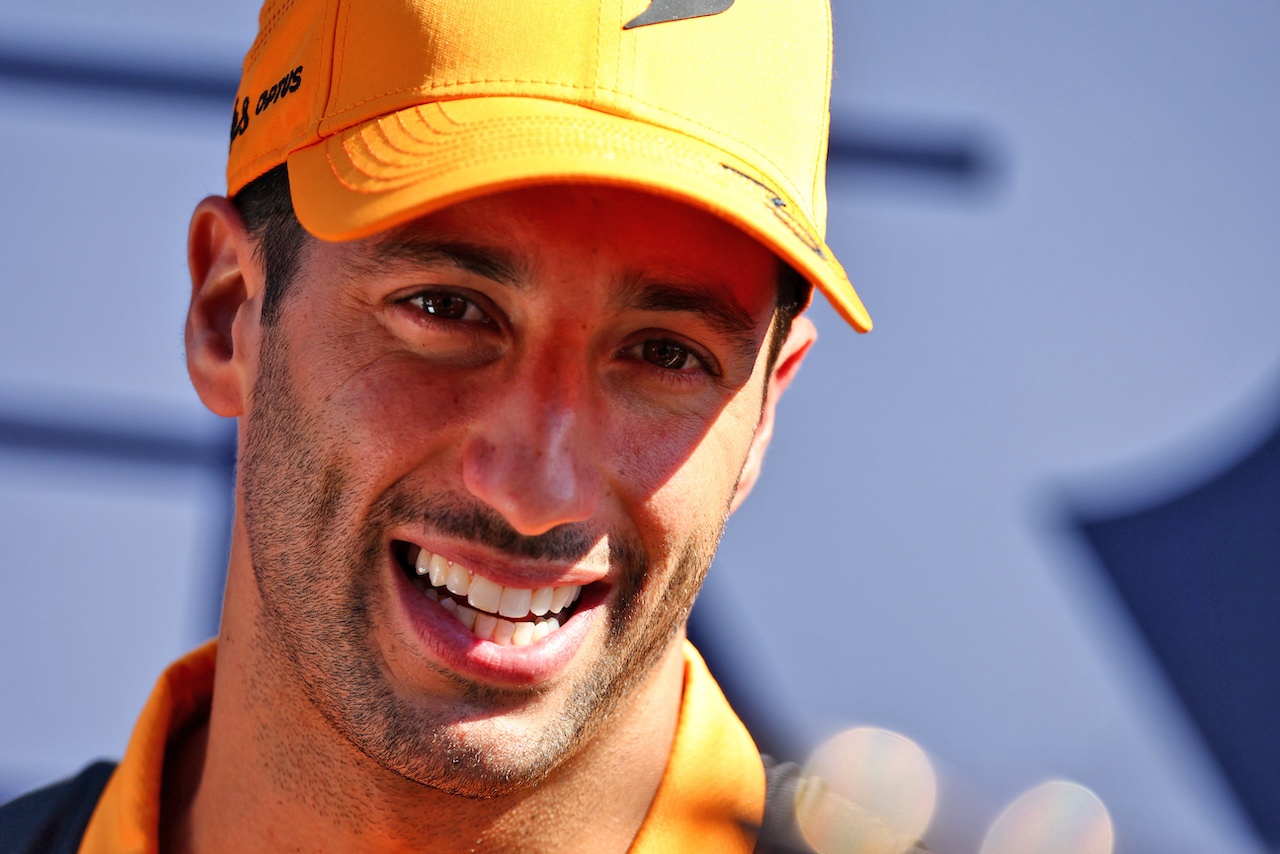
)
(457, 648)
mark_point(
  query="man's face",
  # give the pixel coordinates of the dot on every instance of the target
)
(461, 424)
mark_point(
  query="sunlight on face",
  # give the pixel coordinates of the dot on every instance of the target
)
(549, 387)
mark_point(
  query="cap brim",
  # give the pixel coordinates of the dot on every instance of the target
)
(404, 165)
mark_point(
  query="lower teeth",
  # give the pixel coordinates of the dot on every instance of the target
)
(434, 576)
(489, 627)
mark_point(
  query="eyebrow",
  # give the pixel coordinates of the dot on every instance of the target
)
(710, 300)
(420, 251)
(713, 301)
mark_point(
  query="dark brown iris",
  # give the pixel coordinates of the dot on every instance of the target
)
(665, 354)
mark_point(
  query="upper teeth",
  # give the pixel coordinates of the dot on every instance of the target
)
(488, 600)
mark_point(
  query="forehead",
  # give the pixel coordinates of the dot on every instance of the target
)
(639, 243)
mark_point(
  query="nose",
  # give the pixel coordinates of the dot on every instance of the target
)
(534, 457)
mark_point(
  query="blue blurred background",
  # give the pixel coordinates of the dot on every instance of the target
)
(1030, 521)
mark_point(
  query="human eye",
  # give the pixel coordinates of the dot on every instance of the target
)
(669, 355)
(673, 358)
(448, 306)
(448, 324)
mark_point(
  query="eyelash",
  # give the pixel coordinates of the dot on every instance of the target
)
(676, 375)
(419, 302)
(682, 375)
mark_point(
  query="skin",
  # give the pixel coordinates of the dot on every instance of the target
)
(574, 392)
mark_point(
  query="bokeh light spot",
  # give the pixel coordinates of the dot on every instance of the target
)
(1057, 817)
(866, 791)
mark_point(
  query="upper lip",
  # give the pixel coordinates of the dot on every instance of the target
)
(505, 570)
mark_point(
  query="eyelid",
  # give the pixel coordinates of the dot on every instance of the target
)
(491, 314)
(420, 301)
(704, 358)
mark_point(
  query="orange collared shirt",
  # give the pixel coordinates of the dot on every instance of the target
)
(711, 793)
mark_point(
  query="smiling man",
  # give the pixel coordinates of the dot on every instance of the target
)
(504, 296)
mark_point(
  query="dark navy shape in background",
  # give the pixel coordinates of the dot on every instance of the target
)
(931, 150)
(1200, 572)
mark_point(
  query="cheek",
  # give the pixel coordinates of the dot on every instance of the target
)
(684, 473)
(392, 417)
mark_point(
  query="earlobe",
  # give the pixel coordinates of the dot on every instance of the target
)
(801, 337)
(222, 319)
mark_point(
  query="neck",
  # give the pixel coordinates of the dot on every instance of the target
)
(271, 774)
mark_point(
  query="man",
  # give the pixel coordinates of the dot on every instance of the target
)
(504, 298)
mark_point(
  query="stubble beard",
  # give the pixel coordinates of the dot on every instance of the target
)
(316, 580)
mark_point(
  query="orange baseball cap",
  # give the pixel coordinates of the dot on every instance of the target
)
(386, 110)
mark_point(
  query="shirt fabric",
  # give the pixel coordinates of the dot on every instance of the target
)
(710, 799)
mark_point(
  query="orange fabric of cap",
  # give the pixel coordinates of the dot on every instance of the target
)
(386, 110)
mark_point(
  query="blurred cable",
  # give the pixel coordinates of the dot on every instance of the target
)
(133, 444)
(117, 75)
(933, 152)
(97, 439)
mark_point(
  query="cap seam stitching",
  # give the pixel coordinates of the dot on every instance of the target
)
(631, 80)
(255, 50)
(680, 156)
(443, 85)
(336, 61)
(618, 49)
(685, 152)
(440, 108)
(516, 120)
(599, 44)
(819, 151)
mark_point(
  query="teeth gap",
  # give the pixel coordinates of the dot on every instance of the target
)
(456, 589)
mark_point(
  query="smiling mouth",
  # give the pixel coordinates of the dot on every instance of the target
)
(508, 616)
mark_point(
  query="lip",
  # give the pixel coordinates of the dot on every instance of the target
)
(505, 572)
(445, 639)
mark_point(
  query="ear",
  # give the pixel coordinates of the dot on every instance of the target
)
(226, 295)
(794, 349)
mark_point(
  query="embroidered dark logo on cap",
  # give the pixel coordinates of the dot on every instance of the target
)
(239, 119)
(289, 83)
(661, 11)
(240, 112)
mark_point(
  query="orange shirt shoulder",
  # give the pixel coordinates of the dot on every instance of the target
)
(710, 797)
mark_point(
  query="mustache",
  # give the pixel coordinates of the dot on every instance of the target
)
(473, 521)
